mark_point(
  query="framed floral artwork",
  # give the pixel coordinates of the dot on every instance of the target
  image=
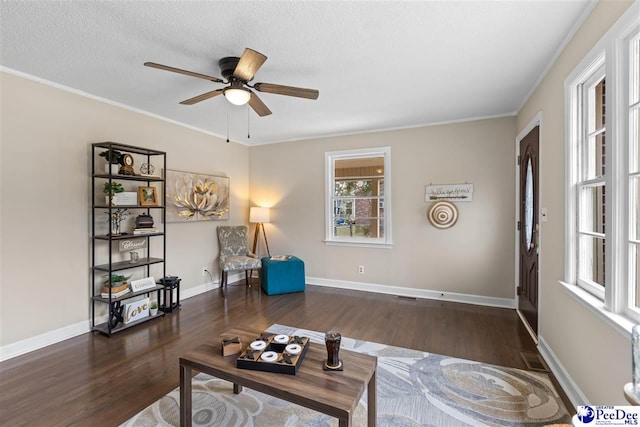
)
(196, 197)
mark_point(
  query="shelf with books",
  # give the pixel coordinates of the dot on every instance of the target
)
(128, 295)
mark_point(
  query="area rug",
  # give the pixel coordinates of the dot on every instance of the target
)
(415, 388)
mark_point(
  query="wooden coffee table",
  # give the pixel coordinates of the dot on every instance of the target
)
(334, 393)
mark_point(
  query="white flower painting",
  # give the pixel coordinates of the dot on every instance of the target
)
(196, 197)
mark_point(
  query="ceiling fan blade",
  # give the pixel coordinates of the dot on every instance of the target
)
(202, 97)
(178, 70)
(258, 106)
(287, 90)
(249, 63)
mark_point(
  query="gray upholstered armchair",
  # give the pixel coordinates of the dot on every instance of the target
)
(235, 254)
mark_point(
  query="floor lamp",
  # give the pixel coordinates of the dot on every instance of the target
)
(259, 215)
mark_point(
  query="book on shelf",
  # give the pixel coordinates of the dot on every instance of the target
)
(115, 294)
(147, 230)
(114, 289)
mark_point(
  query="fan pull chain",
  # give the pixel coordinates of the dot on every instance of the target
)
(227, 128)
(248, 124)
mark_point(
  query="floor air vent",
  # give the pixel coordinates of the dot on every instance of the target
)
(534, 362)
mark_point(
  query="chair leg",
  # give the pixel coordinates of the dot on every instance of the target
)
(246, 277)
(223, 283)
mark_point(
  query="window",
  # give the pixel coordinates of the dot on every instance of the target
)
(603, 172)
(591, 184)
(358, 197)
(633, 114)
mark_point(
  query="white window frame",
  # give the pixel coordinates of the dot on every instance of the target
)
(612, 52)
(589, 78)
(330, 159)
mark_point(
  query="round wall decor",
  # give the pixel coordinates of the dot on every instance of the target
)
(442, 214)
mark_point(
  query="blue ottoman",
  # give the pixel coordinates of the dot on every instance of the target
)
(281, 277)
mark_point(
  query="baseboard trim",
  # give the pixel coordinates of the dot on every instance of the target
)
(573, 392)
(19, 348)
(412, 292)
(524, 321)
(28, 345)
(197, 290)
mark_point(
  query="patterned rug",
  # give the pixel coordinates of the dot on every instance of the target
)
(414, 389)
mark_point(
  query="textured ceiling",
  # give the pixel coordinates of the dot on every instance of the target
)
(377, 65)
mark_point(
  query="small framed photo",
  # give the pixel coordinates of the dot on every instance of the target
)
(148, 196)
(142, 284)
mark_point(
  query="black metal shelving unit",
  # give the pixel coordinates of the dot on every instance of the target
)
(109, 266)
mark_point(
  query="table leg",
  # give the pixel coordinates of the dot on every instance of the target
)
(344, 422)
(185, 396)
(237, 388)
(371, 402)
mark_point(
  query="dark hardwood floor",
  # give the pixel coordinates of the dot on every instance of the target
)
(92, 380)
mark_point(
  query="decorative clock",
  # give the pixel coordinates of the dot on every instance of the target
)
(127, 165)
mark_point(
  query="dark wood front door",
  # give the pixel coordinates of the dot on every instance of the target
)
(528, 228)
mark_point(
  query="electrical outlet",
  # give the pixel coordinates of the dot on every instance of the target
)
(361, 269)
(204, 271)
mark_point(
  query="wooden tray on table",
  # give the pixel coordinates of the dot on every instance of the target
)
(284, 362)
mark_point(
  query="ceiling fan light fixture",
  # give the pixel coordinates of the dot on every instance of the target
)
(237, 96)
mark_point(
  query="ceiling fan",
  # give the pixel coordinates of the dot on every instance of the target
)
(237, 73)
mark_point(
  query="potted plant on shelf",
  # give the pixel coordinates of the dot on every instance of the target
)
(110, 189)
(113, 161)
(153, 308)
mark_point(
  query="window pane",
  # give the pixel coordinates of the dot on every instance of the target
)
(528, 204)
(363, 228)
(593, 149)
(592, 209)
(634, 208)
(598, 113)
(634, 275)
(594, 157)
(342, 210)
(354, 188)
(634, 140)
(592, 259)
(634, 70)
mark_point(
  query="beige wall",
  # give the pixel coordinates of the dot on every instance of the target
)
(45, 208)
(475, 257)
(594, 355)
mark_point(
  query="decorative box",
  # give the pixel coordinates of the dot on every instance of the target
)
(230, 346)
(144, 221)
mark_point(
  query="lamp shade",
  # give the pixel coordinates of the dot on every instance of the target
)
(259, 214)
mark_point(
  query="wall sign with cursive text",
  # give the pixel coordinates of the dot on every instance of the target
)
(450, 192)
(136, 310)
(128, 245)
